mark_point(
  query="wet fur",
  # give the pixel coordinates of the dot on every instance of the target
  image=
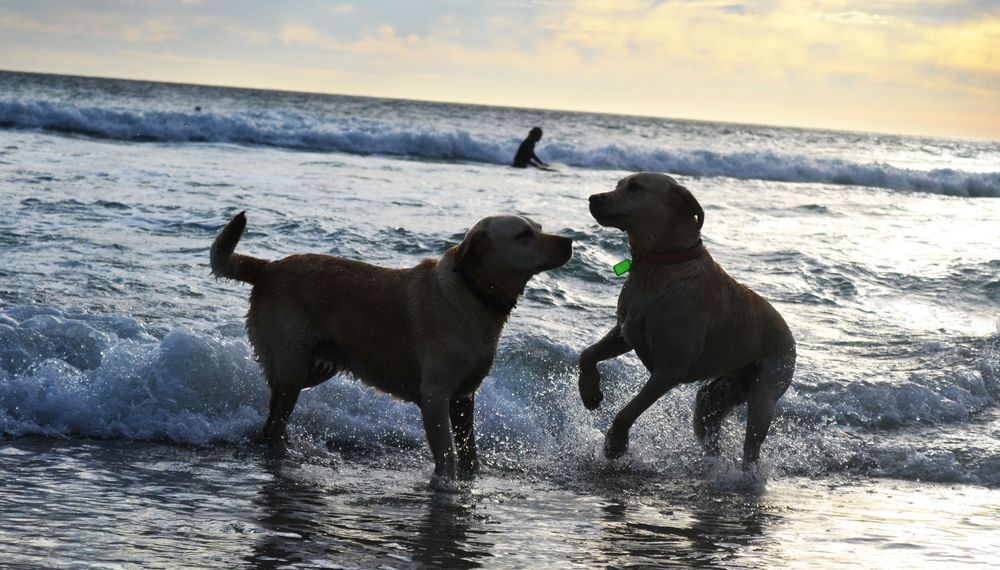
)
(686, 321)
(418, 333)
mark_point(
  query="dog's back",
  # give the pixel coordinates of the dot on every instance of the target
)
(427, 334)
(686, 319)
(355, 317)
(742, 327)
(734, 324)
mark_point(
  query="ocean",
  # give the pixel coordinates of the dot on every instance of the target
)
(129, 396)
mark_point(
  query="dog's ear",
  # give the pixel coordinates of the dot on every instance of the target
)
(694, 208)
(472, 239)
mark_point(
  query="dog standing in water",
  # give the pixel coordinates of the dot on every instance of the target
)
(687, 320)
(426, 334)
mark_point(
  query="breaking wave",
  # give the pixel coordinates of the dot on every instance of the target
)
(301, 131)
(68, 373)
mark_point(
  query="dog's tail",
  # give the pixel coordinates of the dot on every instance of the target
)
(231, 265)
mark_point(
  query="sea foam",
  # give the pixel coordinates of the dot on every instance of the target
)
(75, 374)
(67, 373)
(301, 131)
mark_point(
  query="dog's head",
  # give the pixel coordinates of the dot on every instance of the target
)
(649, 203)
(513, 245)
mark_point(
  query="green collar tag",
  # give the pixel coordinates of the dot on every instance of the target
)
(622, 267)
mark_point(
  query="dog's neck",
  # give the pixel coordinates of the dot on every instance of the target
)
(672, 256)
(489, 293)
(665, 249)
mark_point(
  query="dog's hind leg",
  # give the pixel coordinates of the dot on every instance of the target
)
(714, 402)
(762, 395)
(463, 428)
(286, 376)
(282, 403)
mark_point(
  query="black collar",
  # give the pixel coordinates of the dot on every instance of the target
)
(496, 305)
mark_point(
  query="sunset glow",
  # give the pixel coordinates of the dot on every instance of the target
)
(885, 65)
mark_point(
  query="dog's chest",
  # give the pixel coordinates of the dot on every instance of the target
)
(647, 309)
(475, 377)
(636, 300)
(483, 351)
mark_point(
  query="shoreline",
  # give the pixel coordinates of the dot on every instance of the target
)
(227, 507)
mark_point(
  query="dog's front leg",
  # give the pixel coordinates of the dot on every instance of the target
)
(462, 424)
(434, 409)
(613, 344)
(616, 442)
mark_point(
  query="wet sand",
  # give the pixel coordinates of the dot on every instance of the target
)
(73, 503)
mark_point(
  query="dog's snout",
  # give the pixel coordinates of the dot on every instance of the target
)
(599, 205)
(559, 251)
(566, 245)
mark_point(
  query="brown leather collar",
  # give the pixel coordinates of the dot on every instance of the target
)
(679, 256)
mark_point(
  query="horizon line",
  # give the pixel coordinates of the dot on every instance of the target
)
(508, 106)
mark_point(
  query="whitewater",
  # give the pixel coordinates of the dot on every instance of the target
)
(129, 397)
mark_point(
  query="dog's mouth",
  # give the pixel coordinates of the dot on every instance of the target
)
(566, 253)
(551, 266)
(598, 212)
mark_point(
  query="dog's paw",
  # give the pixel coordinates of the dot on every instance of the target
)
(468, 470)
(592, 401)
(444, 484)
(615, 445)
(590, 389)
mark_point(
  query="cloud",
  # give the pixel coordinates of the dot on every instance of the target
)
(73, 22)
(692, 57)
(856, 18)
(442, 49)
(342, 9)
(308, 36)
(740, 9)
(933, 12)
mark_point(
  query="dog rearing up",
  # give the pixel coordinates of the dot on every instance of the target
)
(687, 320)
(426, 334)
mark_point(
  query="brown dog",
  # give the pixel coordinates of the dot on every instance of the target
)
(426, 334)
(686, 319)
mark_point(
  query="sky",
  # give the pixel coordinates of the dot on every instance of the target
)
(901, 66)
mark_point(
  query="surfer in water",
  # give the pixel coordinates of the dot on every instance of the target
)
(526, 152)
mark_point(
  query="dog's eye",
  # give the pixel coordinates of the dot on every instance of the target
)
(523, 234)
(633, 186)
